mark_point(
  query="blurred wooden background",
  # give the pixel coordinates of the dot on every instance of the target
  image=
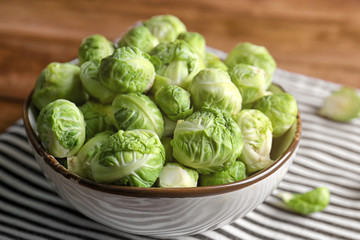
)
(317, 38)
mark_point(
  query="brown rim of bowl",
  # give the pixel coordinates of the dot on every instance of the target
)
(155, 192)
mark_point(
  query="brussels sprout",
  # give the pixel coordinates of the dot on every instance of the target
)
(176, 63)
(137, 111)
(235, 173)
(166, 28)
(94, 47)
(58, 81)
(81, 163)
(213, 88)
(208, 141)
(254, 55)
(127, 70)
(98, 118)
(174, 101)
(213, 61)
(281, 109)
(250, 81)
(129, 158)
(140, 37)
(342, 105)
(175, 175)
(256, 131)
(313, 201)
(61, 128)
(89, 75)
(195, 40)
(168, 149)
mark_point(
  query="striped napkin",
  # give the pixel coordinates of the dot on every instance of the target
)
(329, 155)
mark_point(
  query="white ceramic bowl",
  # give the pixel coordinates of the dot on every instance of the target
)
(164, 212)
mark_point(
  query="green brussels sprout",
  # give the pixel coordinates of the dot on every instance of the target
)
(174, 101)
(175, 175)
(256, 132)
(95, 47)
(98, 118)
(58, 81)
(127, 70)
(235, 173)
(176, 63)
(140, 37)
(208, 141)
(213, 87)
(342, 105)
(89, 75)
(195, 40)
(254, 55)
(250, 81)
(169, 127)
(137, 111)
(166, 28)
(281, 109)
(61, 128)
(129, 158)
(313, 201)
(81, 163)
(168, 149)
(213, 61)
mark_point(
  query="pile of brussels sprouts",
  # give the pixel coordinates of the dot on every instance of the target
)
(157, 110)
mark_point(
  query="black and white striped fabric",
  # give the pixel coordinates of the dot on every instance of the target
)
(329, 155)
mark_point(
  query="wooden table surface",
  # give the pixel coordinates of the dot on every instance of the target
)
(317, 38)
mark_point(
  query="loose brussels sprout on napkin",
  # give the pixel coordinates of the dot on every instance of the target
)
(342, 105)
(158, 110)
(61, 128)
(313, 201)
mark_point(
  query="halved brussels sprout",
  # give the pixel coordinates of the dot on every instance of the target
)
(61, 128)
(254, 55)
(140, 37)
(235, 173)
(89, 75)
(281, 109)
(213, 61)
(127, 70)
(174, 101)
(95, 47)
(98, 118)
(213, 88)
(137, 111)
(208, 141)
(166, 28)
(81, 163)
(58, 81)
(175, 175)
(256, 132)
(342, 105)
(250, 81)
(176, 63)
(129, 158)
(195, 40)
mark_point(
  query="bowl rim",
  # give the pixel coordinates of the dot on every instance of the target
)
(156, 192)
